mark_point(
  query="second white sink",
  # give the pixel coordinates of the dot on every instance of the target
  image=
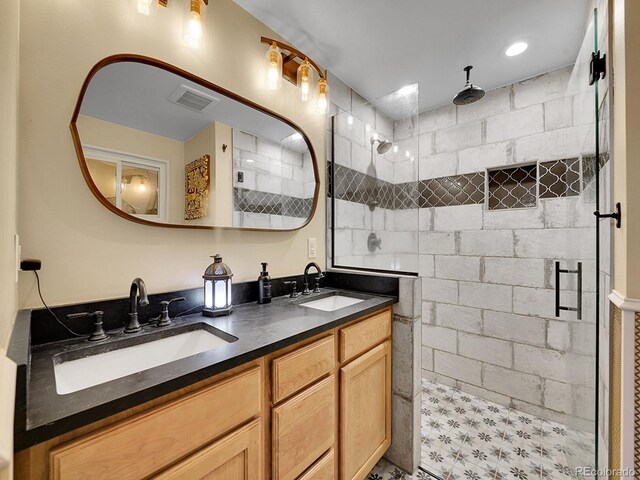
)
(330, 304)
(81, 373)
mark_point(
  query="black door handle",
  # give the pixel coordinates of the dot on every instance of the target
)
(578, 307)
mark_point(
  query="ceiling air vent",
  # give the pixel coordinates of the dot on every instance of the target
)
(193, 99)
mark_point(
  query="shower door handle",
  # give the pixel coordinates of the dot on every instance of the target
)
(578, 307)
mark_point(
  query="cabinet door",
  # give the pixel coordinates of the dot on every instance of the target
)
(365, 412)
(235, 457)
(303, 429)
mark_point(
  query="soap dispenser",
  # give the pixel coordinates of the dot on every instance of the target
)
(264, 285)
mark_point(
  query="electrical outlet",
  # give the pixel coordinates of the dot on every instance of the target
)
(313, 247)
(18, 253)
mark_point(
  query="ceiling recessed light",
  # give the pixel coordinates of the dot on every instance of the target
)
(516, 49)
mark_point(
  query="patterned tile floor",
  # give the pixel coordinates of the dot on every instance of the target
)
(467, 438)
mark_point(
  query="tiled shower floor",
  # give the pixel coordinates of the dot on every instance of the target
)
(468, 438)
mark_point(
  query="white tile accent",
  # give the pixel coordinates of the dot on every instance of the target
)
(487, 349)
(439, 338)
(515, 124)
(457, 267)
(483, 295)
(454, 366)
(526, 272)
(498, 243)
(461, 318)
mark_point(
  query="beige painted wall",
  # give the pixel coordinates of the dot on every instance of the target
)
(91, 253)
(626, 144)
(9, 44)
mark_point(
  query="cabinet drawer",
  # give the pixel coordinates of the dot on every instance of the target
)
(323, 469)
(300, 368)
(151, 441)
(362, 336)
(235, 457)
(303, 428)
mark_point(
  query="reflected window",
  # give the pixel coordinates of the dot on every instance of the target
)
(133, 184)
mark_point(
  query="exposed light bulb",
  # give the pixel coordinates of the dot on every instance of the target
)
(144, 6)
(305, 79)
(273, 78)
(194, 27)
(322, 94)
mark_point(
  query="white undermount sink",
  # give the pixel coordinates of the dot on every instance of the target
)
(88, 371)
(332, 303)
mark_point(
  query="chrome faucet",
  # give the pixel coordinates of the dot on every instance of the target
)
(305, 290)
(138, 288)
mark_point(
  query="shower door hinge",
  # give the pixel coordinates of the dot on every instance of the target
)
(597, 67)
(617, 215)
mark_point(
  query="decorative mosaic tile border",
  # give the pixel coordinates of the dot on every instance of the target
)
(254, 201)
(509, 187)
(448, 191)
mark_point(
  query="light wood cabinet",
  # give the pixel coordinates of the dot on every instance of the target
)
(365, 412)
(144, 444)
(300, 368)
(235, 457)
(303, 429)
(364, 335)
(274, 418)
(323, 469)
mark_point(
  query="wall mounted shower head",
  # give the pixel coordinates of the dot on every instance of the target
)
(383, 145)
(470, 93)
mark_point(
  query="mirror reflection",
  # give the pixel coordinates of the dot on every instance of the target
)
(163, 148)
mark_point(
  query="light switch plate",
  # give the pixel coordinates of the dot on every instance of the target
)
(313, 247)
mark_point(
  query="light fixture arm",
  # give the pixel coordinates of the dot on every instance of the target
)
(289, 60)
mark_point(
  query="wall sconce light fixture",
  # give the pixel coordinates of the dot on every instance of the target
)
(194, 23)
(194, 18)
(284, 61)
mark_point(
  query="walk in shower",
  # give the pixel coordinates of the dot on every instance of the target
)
(492, 205)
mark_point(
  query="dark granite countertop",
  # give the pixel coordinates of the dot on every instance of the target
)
(260, 330)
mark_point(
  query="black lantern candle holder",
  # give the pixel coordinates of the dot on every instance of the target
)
(217, 289)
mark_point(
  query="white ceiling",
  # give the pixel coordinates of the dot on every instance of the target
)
(378, 46)
(137, 96)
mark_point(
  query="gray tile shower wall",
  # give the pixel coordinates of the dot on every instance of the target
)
(488, 290)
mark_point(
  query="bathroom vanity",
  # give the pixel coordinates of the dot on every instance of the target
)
(303, 393)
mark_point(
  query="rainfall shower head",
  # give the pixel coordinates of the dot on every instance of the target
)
(383, 145)
(470, 93)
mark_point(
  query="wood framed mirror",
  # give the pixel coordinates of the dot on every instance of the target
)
(160, 146)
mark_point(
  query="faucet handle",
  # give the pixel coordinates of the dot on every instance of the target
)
(98, 331)
(317, 283)
(165, 319)
(294, 285)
